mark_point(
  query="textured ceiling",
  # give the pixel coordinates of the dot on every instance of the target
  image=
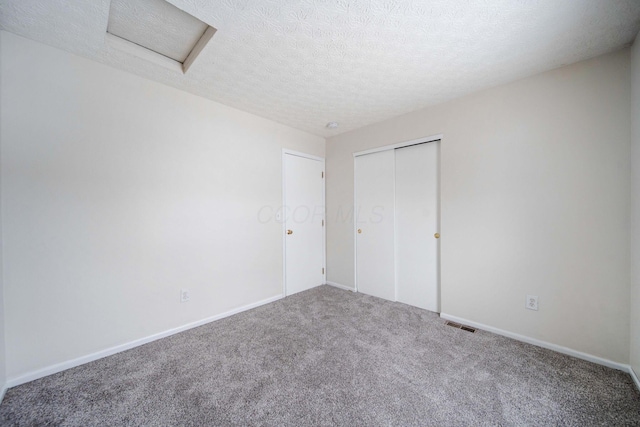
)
(307, 62)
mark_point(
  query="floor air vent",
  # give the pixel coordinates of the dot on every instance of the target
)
(459, 326)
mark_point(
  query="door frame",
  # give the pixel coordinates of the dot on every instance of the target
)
(287, 152)
(423, 140)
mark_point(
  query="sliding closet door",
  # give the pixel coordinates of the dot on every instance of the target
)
(416, 214)
(374, 186)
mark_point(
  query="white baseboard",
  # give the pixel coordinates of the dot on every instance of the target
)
(634, 377)
(339, 286)
(3, 390)
(34, 375)
(539, 343)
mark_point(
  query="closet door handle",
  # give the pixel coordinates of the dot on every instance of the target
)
(437, 235)
(289, 231)
(359, 231)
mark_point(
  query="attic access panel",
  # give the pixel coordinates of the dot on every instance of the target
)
(160, 27)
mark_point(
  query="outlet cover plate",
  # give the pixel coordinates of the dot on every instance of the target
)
(532, 302)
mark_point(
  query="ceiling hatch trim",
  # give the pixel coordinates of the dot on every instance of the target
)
(157, 31)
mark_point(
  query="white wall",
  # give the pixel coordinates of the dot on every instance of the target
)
(534, 200)
(116, 193)
(3, 376)
(635, 207)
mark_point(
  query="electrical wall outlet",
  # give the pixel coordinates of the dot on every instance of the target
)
(185, 295)
(532, 302)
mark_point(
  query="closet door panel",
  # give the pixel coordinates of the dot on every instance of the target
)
(416, 216)
(374, 221)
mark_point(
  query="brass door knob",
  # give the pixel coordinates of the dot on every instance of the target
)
(437, 235)
(289, 231)
(359, 231)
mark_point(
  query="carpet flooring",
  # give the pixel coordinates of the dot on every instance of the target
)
(329, 357)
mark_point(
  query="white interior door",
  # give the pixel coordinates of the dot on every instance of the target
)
(416, 215)
(374, 200)
(303, 217)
